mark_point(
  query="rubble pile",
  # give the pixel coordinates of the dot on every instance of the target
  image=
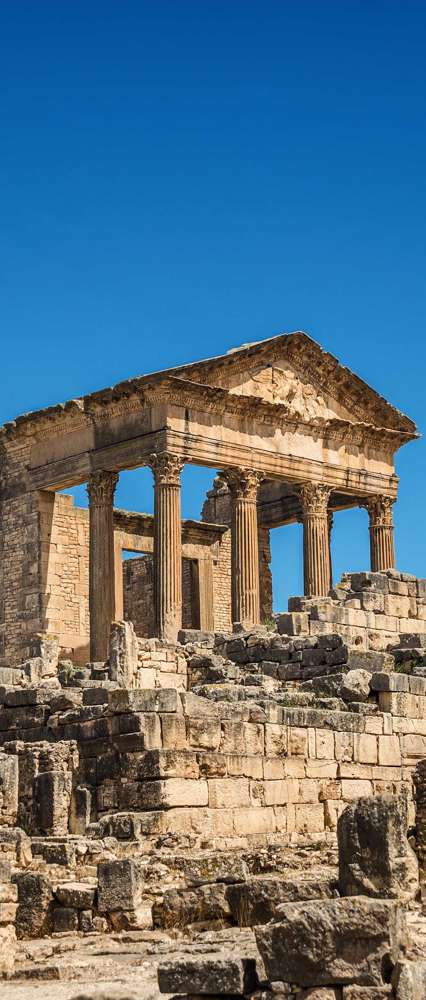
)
(238, 808)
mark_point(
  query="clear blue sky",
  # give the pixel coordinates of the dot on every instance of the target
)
(180, 177)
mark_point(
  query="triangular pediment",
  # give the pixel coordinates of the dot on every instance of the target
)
(279, 383)
(293, 369)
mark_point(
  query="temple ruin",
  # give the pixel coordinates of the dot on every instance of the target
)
(294, 435)
(198, 795)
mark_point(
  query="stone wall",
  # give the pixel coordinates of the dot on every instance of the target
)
(44, 574)
(220, 759)
(138, 591)
(371, 611)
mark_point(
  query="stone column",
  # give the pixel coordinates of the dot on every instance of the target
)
(167, 545)
(243, 485)
(382, 552)
(100, 488)
(316, 545)
(330, 531)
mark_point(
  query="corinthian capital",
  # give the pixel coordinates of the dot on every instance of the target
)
(314, 498)
(243, 483)
(166, 468)
(380, 511)
(101, 488)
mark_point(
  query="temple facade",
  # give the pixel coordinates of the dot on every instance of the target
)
(293, 436)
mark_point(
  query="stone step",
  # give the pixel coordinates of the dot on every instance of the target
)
(11, 676)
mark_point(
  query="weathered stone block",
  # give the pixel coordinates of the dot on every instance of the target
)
(33, 916)
(51, 802)
(9, 777)
(208, 975)
(119, 886)
(375, 858)
(228, 793)
(335, 942)
(183, 907)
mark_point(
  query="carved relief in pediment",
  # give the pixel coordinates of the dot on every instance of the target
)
(278, 385)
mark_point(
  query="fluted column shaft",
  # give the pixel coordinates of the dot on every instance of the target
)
(167, 545)
(382, 548)
(100, 488)
(243, 485)
(316, 538)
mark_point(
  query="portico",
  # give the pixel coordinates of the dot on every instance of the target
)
(294, 435)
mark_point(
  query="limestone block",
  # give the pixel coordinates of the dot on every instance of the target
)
(371, 660)
(204, 733)
(198, 905)
(399, 606)
(77, 895)
(273, 768)
(7, 913)
(365, 748)
(208, 975)
(173, 730)
(375, 858)
(321, 769)
(207, 867)
(389, 750)
(276, 740)
(413, 745)
(332, 811)
(293, 623)
(309, 818)
(197, 707)
(344, 746)
(324, 744)
(8, 892)
(355, 788)
(297, 741)
(9, 776)
(255, 821)
(33, 916)
(120, 886)
(334, 942)
(399, 704)
(7, 948)
(123, 654)
(51, 802)
(356, 686)
(409, 980)
(141, 700)
(255, 900)
(224, 793)
(159, 764)
(163, 794)
(381, 681)
(244, 766)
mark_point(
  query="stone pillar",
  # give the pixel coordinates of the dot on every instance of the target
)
(100, 488)
(316, 546)
(382, 552)
(330, 531)
(167, 545)
(243, 485)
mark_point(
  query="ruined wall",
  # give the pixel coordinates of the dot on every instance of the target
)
(64, 545)
(369, 610)
(138, 587)
(44, 574)
(138, 590)
(20, 609)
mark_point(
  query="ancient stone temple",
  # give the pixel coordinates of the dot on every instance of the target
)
(200, 796)
(293, 435)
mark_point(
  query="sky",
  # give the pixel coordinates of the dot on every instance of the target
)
(179, 177)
